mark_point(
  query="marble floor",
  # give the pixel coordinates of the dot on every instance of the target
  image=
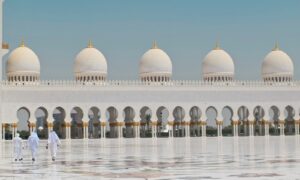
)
(178, 158)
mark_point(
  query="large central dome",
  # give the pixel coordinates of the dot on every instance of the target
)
(155, 65)
(218, 66)
(90, 65)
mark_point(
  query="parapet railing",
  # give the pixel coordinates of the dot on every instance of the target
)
(173, 83)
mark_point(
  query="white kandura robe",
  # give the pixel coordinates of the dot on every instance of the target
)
(18, 146)
(53, 142)
(33, 143)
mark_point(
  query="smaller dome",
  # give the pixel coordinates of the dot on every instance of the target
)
(218, 65)
(23, 62)
(155, 64)
(277, 66)
(90, 62)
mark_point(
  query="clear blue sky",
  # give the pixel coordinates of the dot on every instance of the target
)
(124, 29)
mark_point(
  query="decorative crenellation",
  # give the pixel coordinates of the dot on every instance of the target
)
(172, 83)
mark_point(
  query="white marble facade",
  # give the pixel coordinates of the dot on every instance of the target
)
(93, 107)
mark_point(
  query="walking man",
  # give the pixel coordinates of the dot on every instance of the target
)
(18, 146)
(33, 143)
(53, 143)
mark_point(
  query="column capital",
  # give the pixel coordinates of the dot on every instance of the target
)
(281, 122)
(68, 124)
(219, 122)
(154, 123)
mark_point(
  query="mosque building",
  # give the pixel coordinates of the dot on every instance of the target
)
(154, 106)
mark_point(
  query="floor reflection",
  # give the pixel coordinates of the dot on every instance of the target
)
(178, 158)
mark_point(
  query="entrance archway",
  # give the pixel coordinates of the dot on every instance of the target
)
(76, 123)
(59, 125)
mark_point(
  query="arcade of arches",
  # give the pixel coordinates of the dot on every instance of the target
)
(160, 122)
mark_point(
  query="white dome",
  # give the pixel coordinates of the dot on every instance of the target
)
(277, 64)
(23, 61)
(155, 62)
(218, 63)
(90, 61)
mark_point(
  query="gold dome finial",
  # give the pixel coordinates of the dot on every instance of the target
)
(22, 44)
(276, 48)
(90, 45)
(217, 47)
(154, 46)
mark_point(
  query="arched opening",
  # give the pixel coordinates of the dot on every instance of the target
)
(211, 114)
(179, 127)
(129, 115)
(112, 115)
(258, 114)
(23, 115)
(243, 114)
(145, 124)
(94, 126)
(76, 123)
(41, 115)
(274, 114)
(59, 125)
(289, 113)
(163, 128)
(227, 114)
(195, 114)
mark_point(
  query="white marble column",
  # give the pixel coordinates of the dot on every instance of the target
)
(3, 131)
(219, 128)
(266, 126)
(171, 129)
(187, 129)
(154, 129)
(251, 127)
(235, 129)
(281, 127)
(68, 130)
(297, 127)
(203, 128)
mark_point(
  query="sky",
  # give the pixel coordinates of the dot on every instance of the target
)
(123, 30)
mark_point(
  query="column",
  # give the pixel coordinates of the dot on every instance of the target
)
(32, 127)
(235, 129)
(3, 131)
(15, 129)
(68, 130)
(203, 128)
(171, 128)
(103, 129)
(251, 127)
(85, 129)
(120, 126)
(281, 127)
(246, 129)
(266, 127)
(219, 128)
(187, 129)
(136, 125)
(50, 127)
(297, 122)
(154, 129)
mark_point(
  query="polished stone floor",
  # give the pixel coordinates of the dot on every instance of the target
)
(178, 158)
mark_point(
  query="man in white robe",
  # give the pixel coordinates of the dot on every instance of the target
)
(53, 143)
(18, 146)
(33, 143)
